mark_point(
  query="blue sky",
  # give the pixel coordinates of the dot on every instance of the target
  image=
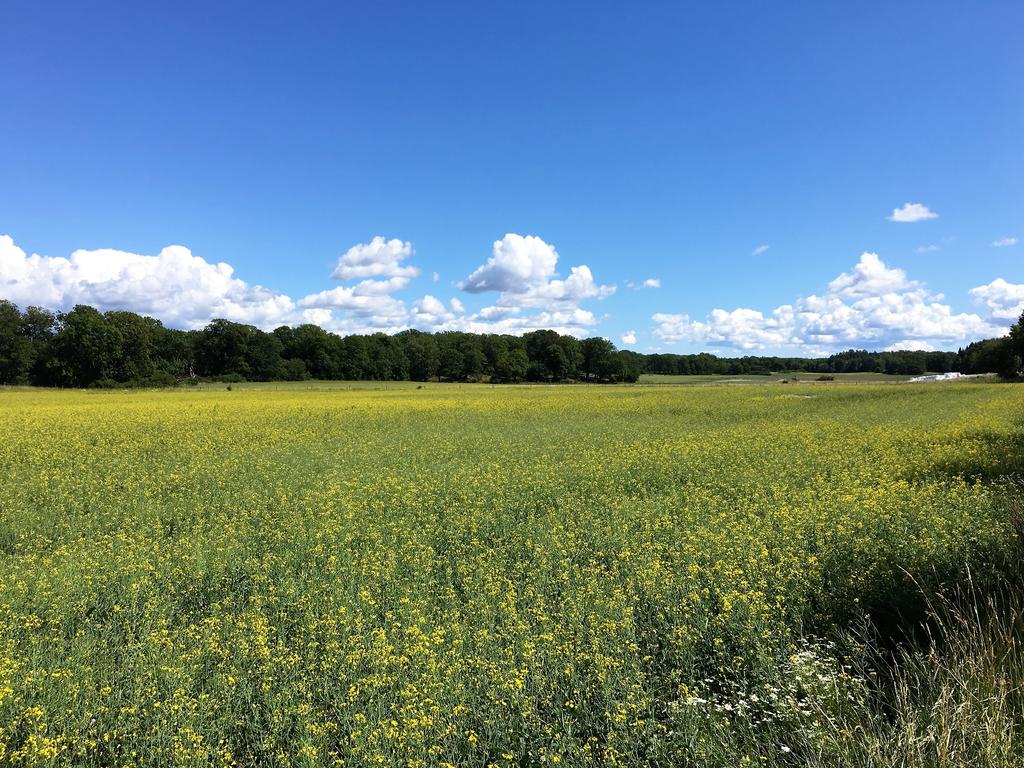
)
(632, 141)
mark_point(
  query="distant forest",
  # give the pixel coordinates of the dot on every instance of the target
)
(89, 348)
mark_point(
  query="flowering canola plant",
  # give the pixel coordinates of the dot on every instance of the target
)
(460, 575)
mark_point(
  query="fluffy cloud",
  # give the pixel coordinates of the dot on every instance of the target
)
(380, 308)
(1005, 301)
(869, 278)
(559, 294)
(531, 295)
(572, 322)
(522, 270)
(759, 250)
(174, 285)
(430, 312)
(1004, 242)
(629, 337)
(186, 291)
(910, 345)
(368, 305)
(926, 248)
(873, 305)
(739, 329)
(911, 212)
(518, 264)
(377, 258)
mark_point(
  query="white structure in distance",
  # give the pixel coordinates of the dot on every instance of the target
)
(938, 377)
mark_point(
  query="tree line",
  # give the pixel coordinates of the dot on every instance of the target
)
(989, 356)
(85, 347)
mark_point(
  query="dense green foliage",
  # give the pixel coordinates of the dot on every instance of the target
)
(482, 576)
(84, 347)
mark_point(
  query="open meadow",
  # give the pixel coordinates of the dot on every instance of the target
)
(774, 378)
(488, 576)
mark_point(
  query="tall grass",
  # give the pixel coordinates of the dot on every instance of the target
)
(950, 700)
(955, 696)
(947, 693)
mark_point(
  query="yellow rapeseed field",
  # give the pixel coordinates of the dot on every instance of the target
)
(477, 576)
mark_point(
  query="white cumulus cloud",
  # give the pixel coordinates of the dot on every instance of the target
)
(377, 310)
(739, 329)
(909, 345)
(759, 250)
(431, 313)
(911, 212)
(869, 278)
(573, 322)
(522, 270)
(1004, 242)
(517, 265)
(1004, 300)
(629, 337)
(872, 305)
(174, 285)
(186, 291)
(377, 258)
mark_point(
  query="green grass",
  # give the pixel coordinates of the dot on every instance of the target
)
(317, 385)
(775, 378)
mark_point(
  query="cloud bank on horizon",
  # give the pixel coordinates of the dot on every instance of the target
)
(186, 291)
(873, 305)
